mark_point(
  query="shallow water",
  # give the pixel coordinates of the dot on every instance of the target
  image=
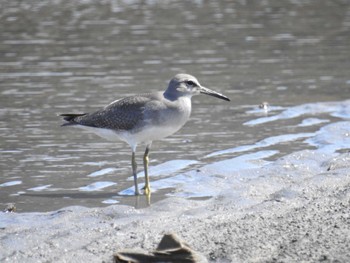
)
(77, 56)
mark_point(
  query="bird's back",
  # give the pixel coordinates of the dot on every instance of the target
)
(123, 114)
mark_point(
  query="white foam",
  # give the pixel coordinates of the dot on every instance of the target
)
(102, 172)
(11, 183)
(274, 140)
(311, 122)
(337, 109)
(40, 188)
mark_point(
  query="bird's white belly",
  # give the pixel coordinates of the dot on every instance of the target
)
(147, 134)
(150, 133)
(107, 134)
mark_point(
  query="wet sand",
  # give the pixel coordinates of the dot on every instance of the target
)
(305, 217)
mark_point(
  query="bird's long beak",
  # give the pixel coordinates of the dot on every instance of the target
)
(213, 93)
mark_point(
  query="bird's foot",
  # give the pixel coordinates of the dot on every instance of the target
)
(146, 190)
(137, 192)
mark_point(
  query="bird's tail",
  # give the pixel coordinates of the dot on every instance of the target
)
(70, 118)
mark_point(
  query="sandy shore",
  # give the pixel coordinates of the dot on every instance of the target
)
(304, 217)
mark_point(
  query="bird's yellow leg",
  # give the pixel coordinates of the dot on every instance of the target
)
(134, 172)
(145, 164)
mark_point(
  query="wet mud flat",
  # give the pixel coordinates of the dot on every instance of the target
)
(294, 209)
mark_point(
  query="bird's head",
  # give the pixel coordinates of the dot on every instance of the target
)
(187, 85)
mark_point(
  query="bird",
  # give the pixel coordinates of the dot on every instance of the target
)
(144, 118)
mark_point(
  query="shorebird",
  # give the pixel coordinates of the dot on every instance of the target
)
(144, 118)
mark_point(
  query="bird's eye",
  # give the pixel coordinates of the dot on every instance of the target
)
(190, 83)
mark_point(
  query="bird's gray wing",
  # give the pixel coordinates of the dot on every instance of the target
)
(123, 114)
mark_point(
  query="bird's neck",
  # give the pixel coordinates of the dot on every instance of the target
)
(172, 96)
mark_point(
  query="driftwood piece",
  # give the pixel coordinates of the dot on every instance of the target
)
(171, 249)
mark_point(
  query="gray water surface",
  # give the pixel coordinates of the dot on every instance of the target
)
(77, 56)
